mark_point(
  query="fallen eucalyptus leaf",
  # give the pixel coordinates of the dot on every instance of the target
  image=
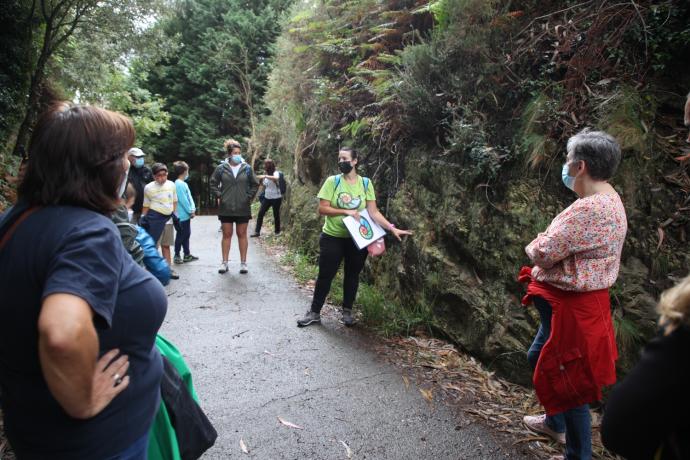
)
(290, 424)
(347, 449)
(428, 394)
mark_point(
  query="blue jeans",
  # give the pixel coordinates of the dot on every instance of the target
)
(182, 237)
(575, 422)
(137, 451)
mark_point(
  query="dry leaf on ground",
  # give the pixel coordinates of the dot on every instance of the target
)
(428, 394)
(290, 424)
(347, 449)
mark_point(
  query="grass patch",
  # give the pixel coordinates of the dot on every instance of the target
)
(389, 318)
(303, 267)
(628, 332)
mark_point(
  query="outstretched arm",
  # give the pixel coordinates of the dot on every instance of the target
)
(383, 222)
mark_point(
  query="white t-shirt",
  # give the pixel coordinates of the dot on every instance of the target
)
(235, 169)
(272, 188)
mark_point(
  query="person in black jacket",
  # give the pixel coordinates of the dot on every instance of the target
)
(139, 176)
(646, 417)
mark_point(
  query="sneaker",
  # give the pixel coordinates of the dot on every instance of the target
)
(310, 318)
(537, 423)
(243, 268)
(254, 235)
(347, 318)
(223, 267)
(174, 275)
(190, 258)
(179, 260)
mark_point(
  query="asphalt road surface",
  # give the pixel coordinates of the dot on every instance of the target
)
(253, 367)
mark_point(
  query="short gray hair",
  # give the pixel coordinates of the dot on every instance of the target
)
(599, 150)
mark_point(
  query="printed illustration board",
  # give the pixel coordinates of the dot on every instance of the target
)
(364, 232)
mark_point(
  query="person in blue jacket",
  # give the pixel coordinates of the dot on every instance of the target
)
(185, 212)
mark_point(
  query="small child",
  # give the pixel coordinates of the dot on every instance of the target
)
(185, 212)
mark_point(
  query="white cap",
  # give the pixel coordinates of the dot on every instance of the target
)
(136, 152)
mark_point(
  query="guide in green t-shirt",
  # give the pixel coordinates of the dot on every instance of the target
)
(344, 195)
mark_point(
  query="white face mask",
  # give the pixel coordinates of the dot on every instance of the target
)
(123, 184)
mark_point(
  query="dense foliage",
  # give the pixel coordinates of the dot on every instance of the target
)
(74, 50)
(461, 110)
(214, 82)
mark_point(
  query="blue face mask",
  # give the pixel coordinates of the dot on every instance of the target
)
(186, 178)
(237, 159)
(138, 162)
(568, 180)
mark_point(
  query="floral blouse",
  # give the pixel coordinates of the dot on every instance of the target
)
(581, 249)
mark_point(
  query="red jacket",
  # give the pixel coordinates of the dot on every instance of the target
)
(579, 357)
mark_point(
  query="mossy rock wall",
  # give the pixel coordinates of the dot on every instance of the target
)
(461, 117)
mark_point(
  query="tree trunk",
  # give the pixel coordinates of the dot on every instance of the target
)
(32, 106)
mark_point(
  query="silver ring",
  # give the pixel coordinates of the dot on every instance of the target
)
(116, 377)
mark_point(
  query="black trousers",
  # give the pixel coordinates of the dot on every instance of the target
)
(332, 251)
(265, 204)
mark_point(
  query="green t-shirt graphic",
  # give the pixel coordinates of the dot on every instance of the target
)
(346, 196)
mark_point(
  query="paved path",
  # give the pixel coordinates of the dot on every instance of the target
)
(251, 365)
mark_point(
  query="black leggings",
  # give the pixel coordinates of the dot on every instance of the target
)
(265, 204)
(332, 251)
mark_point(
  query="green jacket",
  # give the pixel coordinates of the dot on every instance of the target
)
(235, 193)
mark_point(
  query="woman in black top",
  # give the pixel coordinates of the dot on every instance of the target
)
(646, 416)
(73, 299)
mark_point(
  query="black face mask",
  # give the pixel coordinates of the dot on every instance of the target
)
(345, 167)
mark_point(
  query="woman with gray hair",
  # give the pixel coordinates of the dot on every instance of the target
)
(575, 262)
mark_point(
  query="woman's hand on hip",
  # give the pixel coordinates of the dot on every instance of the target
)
(68, 352)
(109, 379)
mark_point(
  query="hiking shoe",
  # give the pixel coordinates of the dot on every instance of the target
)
(243, 268)
(190, 258)
(254, 235)
(223, 267)
(310, 318)
(537, 423)
(347, 318)
(174, 275)
(178, 260)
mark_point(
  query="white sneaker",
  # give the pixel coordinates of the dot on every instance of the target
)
(243, 268)
(223, 267)
(537, 423)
